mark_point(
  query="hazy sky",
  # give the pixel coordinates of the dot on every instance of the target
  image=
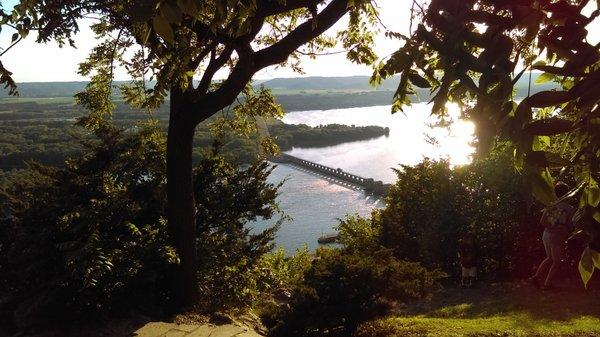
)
(32, 62)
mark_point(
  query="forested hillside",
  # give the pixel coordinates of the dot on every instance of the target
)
(281, 87)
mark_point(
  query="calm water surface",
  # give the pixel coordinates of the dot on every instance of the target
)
(315, 204)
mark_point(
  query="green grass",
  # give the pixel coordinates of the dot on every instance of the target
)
(515, 311)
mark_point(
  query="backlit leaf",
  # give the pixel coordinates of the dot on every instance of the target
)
(188, 7)
(171, 13)
(548, 98)
(586, 266)
(550, 70)
(592, 193)
(536, 159)
(543, 78)
(595, 257)
(596, 216)
(548, 126)
(418, 80)
(541, 187)
(163, 28)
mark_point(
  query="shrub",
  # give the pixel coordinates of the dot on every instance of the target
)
(431, 204)
(342, 290)
(421, 221)
(227, 198)
(277, 270)
(91, 239)
(352, 284)
(359, 234)
(88, 238)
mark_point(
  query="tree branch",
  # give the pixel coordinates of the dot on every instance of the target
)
(213, 66)
(277, 53)
(268, 8)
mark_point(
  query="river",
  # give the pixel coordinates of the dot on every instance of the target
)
(315, 204)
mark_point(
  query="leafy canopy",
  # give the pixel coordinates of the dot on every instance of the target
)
(170, 42)
(473, 52)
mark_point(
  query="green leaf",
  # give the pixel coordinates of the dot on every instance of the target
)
(540, 143)
(543, 78)
(547, 176)
(418, 80)
(541, 187)
(146, 34)
(163, 28)
(536, 159)
(548, 126)
(188, 7)
(555, 160)
(171, 13)
(549, 98)
(14, 38)
(593, 193)
(596, 216)
(553, 71)
(523, 113)
(595, 257)
(586, 266)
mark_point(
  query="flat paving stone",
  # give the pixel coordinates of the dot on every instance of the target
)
(153, 329)
(249, 333)
(162, 329)
(202, 331)
(228, 330)
(187, 327)
(175, 333)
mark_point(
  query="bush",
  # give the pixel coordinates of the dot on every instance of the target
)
(431, 204)
(342, 290)
(278, 271)
(91, 238)
(346, 286)
(88, 238)
(421, 221)
(227, 198)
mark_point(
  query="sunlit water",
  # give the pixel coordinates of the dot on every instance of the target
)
(315, 204)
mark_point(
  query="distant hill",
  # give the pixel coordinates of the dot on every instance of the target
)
(361, 83)
(353, 83)
(280, 86)
(47, 89)
(329, 83)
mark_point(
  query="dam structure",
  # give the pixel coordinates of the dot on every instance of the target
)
(372, 187)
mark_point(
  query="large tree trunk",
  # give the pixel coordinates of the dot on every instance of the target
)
(180, 194)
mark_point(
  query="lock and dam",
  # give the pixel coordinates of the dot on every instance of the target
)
(370, 186)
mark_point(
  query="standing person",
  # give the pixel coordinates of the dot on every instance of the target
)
(557, 223)
(467, 256)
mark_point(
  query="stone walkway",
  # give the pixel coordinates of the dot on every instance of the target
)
(161, 329)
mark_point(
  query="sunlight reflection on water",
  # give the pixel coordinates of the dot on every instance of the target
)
(315, 204)
(406, 144)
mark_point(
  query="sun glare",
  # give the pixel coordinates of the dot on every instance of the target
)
(455, 142)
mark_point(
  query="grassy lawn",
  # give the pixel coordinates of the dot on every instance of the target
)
(516, 310)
